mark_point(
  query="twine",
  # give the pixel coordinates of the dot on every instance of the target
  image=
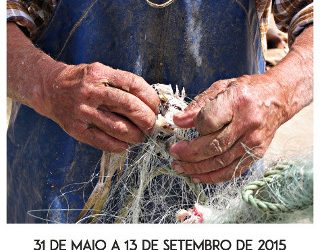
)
(249, 192)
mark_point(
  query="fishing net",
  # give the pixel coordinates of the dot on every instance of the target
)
(139, 186)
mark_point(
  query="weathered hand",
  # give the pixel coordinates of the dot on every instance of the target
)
(100, 106)
(231, 114)
(244, 111)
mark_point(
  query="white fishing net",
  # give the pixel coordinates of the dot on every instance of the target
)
(139, 186)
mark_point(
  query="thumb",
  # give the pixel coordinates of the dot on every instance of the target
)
(185, 119)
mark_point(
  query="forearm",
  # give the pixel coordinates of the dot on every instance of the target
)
(28, 69)
(294, 74)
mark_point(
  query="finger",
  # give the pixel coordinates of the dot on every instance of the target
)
(128, 105)
(215, 114)
(211, 164)
(185, 119)
(137, 86)
(234, 170)
(113, 125)
(207, 146)
(131, 83)
(98, 139)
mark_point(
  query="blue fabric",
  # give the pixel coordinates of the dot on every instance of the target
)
(192, 43)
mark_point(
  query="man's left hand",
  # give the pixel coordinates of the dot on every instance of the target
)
(231, 116)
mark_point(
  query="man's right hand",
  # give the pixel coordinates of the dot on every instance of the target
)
(98, 105)
(106, 108)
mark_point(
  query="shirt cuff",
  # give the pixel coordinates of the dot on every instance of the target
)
(300, 21)
(18, 13)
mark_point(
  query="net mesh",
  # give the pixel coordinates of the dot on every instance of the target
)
(139, 186)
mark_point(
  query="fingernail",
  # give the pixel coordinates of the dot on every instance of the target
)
(158, 110)
(196, 180)
(178, 147)
(179, 144)
(179, 114)
(177, 168)
(174, 155)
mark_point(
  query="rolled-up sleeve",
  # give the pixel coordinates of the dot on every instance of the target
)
(293, 16)
(17, 11)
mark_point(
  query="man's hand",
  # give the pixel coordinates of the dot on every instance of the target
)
(229, 116)
(106, 108)
(241, 113)
(100, 106)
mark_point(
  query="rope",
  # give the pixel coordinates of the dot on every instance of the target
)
(253, 188)
(159, 6)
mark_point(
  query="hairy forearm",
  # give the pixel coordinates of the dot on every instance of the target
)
(28, 69)
(294, 74)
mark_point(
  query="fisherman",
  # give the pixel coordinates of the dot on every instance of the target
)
(79, 75)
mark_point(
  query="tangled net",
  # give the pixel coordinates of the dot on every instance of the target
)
(139, 186)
